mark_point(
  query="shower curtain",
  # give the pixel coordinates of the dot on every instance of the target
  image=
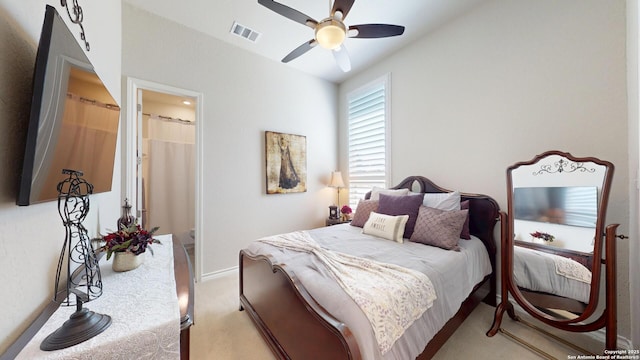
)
(169, 177)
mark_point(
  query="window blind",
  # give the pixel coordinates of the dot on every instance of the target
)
(367, 119)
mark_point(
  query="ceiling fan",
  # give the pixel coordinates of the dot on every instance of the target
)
(331, 32)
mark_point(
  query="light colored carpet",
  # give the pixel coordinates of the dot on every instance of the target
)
(222, 332)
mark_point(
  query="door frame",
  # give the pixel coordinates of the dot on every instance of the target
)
(130, 158)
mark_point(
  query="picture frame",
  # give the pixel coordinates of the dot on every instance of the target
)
(286, 163)
(333, 212)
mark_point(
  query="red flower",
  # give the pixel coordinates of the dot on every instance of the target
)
(543, 236)
(346, 210)
(133, 239)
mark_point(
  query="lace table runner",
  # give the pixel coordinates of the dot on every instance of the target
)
(144, 311)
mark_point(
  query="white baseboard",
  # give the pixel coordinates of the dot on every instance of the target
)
(597, 335)
(220, 273)
(600, 335)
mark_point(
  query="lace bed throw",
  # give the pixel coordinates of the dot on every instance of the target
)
(572, 269)
(391, 296)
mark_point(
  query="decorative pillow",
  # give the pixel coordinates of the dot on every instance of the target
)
(442, 201)
(465, 234)
(439, 228)
(401, 205)
(365, 207)
(385, 226)
(376, 191)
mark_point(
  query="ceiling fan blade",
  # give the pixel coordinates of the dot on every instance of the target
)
(300, 50)
(342, 58)
(344, 6)
(290, 13)
(375, 30)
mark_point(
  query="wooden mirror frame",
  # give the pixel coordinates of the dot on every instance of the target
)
(509, 287)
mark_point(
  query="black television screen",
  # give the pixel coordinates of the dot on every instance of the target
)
(74, 119)
(572, 205)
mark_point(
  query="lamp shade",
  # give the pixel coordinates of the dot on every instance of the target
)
(336, 180)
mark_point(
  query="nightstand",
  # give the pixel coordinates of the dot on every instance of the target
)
(330, 221)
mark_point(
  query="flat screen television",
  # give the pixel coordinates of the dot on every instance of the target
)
(571, 205)
(73, 122)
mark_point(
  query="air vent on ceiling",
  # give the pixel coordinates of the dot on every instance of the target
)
(245, 32)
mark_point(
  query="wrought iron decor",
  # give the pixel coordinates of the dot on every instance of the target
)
(73, 207)
(77, 18)
(561, 166)
(85, 281)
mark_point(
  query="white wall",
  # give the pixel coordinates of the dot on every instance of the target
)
(503, 83)
(243, 95)
(31, 237)
(633, 48)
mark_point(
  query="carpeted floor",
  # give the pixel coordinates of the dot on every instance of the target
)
(222, 332)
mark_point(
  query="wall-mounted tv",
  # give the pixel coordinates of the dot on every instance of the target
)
(571, 205)
(74, 119)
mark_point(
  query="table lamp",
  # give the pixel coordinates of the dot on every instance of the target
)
(336, 182)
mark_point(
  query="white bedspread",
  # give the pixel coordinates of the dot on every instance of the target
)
(453, 275)
(553, 274)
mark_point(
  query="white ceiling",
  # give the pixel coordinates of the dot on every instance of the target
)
(281, 35)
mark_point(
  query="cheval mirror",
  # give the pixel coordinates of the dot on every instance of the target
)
(552, 245)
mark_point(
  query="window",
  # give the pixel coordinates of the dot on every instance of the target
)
(368, 138)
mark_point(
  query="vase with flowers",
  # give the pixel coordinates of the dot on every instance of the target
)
(346, 212)
(128, 245)
(545, 237)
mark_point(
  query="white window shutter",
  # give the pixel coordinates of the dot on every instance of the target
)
(368, 138)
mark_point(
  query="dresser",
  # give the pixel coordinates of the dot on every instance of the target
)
(171, 251)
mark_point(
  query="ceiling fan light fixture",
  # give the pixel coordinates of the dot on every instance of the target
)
(330, 33)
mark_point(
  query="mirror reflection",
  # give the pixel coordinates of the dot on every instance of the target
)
(84, 138)
(554, 203)
(73, 122)
(566, 205)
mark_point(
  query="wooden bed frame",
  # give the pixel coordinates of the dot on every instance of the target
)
(295, 326)
(543, 300)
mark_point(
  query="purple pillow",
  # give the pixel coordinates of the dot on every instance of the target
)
(364, 209)
(439, 228)
(465, 234)
(401, 205)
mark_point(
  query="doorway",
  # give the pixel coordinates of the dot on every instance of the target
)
(162, 157)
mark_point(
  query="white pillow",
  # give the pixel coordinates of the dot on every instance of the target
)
(386, 226)
(443, 201)
(376, 191)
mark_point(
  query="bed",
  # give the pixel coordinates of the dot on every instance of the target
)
(303, 315)
(550, 281)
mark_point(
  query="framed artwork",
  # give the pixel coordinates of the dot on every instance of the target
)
(286, 163)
